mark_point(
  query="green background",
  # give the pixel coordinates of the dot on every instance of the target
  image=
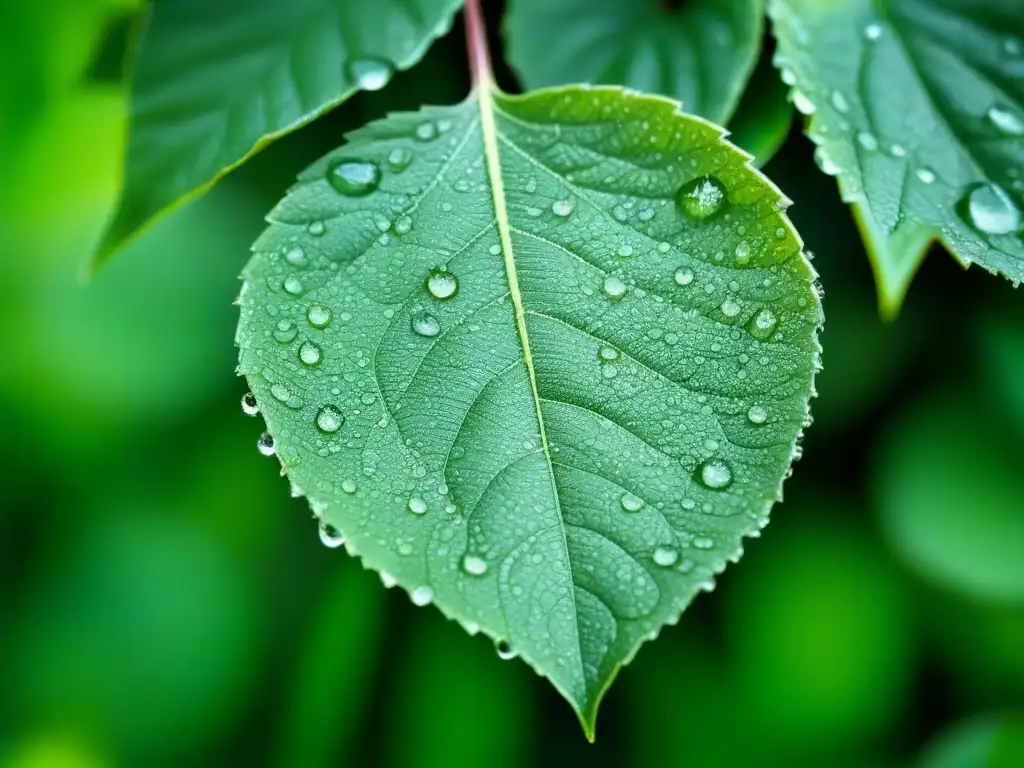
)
(164, 602)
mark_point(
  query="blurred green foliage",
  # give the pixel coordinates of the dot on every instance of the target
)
(164, 602)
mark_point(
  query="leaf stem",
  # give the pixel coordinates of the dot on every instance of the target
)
(476, 43)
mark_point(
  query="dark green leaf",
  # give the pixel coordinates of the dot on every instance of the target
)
(543, 360)
(216, 81)
(701, 55)
(917, 106)
(764, 115)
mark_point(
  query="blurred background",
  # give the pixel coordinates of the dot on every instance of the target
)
(164, 602)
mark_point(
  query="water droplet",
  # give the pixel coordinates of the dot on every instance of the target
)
(293, 285)
(867, 140)
(329, 419)
(803, 102)
(382, 222)
(825, 163)
(990, 210)
(249, 405)
(762, 324)
(608, 353)
(399, 159)
(421, 596)
(631, 502)
(925, 175)
(625, 251)
(494, 250)
(402, 225)
(714, 474)
(425, 324)
(873, 31)
(742, 251)
(1012, 46)
(331, 536)
(353, 178)
(665, 557)
(265, 444)
(310, 354)
(757, 414)
(1006, 120)
(474, 566)
(504, 650)
(442, 285)
(701, 198)
(426, 131)
(281, 392)
(316, 228)
(296, 257)
(318, 315)
(898, 150)
(703, 542)
(730, 307)
(369, 74)
(609, 371)
(348, 486)
(614, 287)
(286, 331)
(839, 102)
(562, 208)
(417, 505)
(683, 276)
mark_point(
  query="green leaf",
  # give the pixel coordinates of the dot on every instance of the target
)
(701, 55)
(917, 106)
(216, 82)
(520, 378)
(764, 115)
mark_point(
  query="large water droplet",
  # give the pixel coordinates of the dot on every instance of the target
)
(762, 324)
(614, 287)
(331, 536)
(683, 276)
(425, 324)
(990, 210)
(730, 307)
(1006, 120)
(417, 505)
(757, 414)
(701, 198)
(421, 596)
(293, 285)
(353, 178)
(249, 405)
(442, 285)
(665, 557)
(318, 316)
(265, 444)
(504, 650)
(310, 353)
(631, 503)
(370, 74)
(329, 419)
(714, 474)
(562, 208)
(474, 566)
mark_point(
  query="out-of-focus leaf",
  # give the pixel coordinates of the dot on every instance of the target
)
(215, 81)
(950, 498)
(917, 106)
(539, 375)
(1000, 340)
(764, 115)
(701, 55)
(986, 741)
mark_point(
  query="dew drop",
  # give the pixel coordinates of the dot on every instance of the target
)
(562, 208)
(703, 542)
(803, 102)
(399, 159)
(608, 353)
(504, 650)
(285, 331)
(683, 276)
(494, 250)
(331, 536)
(990, 210)
(1005, 120)
(348, 486)
(474, 566)
(730, 307)
(421, 596)
(631, 502)
(417, 505)
(309, 353)
(329, 419)
(281, 392)
(925, 175)
(757, 414)
(316, 228)
(249, 405)
(293, 285)
(318, 315)
(898, 150)
(353, 178)
(867, 140)
(609, 371)
(742, 251)
(839, 102)
(873, 31)
(665, 557)
(762, 324)
(714, 474)
(625, 250)
(425, 324)
(426, 132)
(614, 287)
(442, 285)
(265, 444)
(402, 225)
(701, 198)
(296, 257)
(370, 74)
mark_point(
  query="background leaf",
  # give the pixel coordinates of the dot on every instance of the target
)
(764, 115)
(700, 55)
(214, 82)
(543, 363)
(917, 106)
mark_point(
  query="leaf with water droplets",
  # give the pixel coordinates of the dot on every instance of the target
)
(556, 399)
(701, 54)
(204, 102)
(917, 107)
